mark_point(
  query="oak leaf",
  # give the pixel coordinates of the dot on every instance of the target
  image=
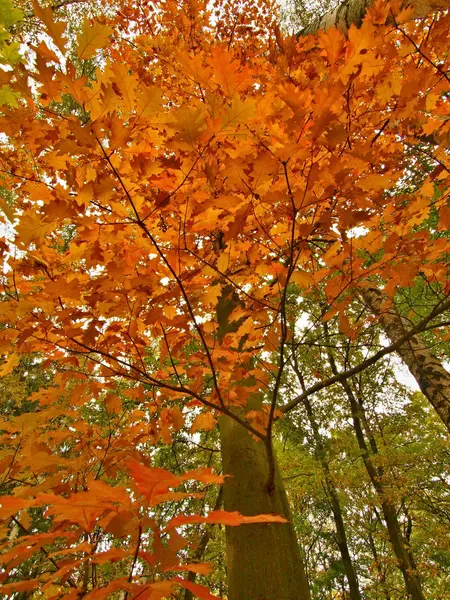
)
(92, 37)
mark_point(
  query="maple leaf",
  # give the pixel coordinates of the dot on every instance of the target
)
(199, 590)
(204, 422)
(333, 42)
(229, 73)
(201, 568)
(11, 362)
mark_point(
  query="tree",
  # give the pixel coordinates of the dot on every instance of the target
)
(171, 206)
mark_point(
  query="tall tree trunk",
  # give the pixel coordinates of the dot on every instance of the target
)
(432, 378)
(351, 12)
(263, 559)
(341, 536)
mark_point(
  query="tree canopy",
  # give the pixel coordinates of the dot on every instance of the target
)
(216, 235)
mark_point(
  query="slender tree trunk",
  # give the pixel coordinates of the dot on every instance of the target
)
(432, 378)
(263, 559)
(377, 561)
(351, 12)
(406, 566)
(341, 536)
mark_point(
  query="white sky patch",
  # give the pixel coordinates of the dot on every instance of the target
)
(401, 371)
(357, 232)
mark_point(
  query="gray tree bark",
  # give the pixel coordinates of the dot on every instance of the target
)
(405, 561)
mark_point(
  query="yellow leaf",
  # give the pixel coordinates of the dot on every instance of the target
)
(170, 311)
(102, 104)
(245, 328)
(8, 211)
(32, 230)
(302, 279)
(222, 262)
(8, 366)
(427, 189)
(190, 123)
(212, 294)
(238, 113)
(91, 38)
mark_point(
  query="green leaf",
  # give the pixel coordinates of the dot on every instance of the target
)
(9, 15)
(9, 54)
(7, 96)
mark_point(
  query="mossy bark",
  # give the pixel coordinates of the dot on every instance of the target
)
(263, 559)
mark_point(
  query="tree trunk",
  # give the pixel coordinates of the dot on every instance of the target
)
(432, 378)
(263, 559)
(351, 12)
(341, 536)
(404, 557)
(406, 566)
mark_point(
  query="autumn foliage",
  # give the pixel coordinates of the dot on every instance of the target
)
(177, 170)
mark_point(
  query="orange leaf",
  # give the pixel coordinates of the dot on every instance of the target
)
(222, 517)
(200, 591)
(20, 586)
(9, 365)
(54, 28)
(92, 37)
(200, 568)
(204, 422)
(10, 505)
